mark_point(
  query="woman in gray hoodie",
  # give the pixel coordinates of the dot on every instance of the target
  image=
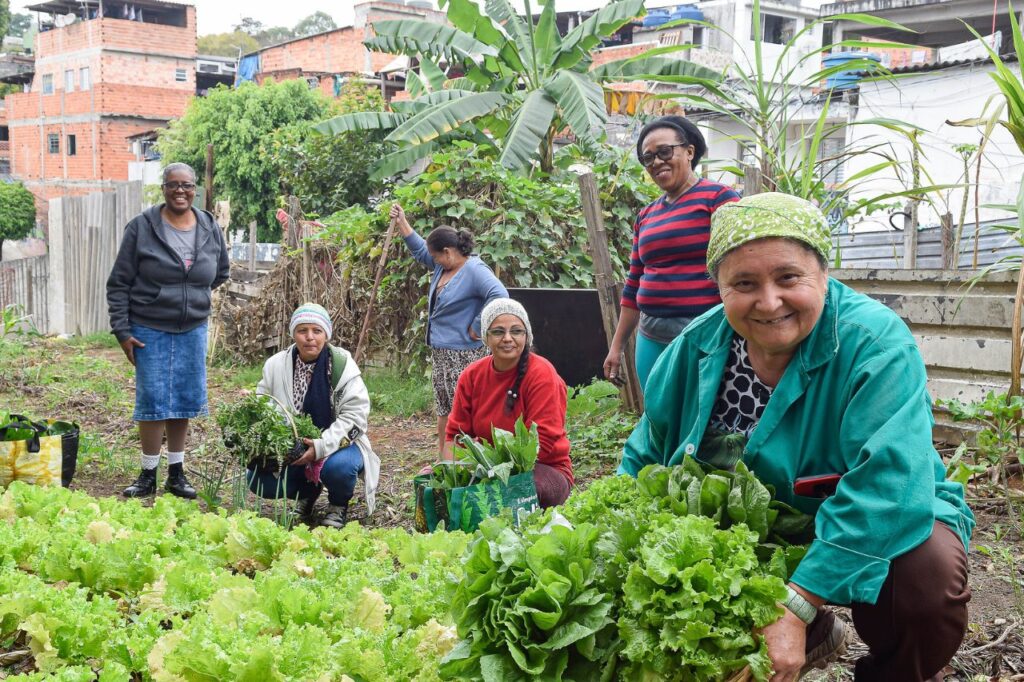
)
(171, 258)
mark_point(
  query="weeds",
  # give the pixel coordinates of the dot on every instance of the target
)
(998, 443)
(398, 394)
(597, 427)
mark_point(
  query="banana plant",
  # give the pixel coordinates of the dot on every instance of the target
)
(522, 84)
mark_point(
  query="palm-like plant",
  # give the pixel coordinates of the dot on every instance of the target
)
(523, 83)
(1011, 86)
(765, 101)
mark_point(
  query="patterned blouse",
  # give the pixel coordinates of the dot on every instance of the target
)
(301, 376)
(742, 397)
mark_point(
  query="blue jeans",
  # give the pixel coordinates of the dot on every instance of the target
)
(338, 475)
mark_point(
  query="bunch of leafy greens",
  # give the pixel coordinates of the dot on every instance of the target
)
(532, 607)
(254, 429)
(508, 453)
(693, 559)
(111, 590)
(692, 600)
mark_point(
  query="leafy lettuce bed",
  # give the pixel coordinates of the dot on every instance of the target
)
(113, 590)
(664, 577)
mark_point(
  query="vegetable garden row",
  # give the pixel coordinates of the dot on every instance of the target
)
(661, 577)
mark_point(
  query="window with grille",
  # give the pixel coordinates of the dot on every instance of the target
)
(53, 143)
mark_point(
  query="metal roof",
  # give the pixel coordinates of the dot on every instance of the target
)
(75, 6)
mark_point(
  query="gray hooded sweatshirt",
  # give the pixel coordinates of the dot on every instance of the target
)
(149, 284)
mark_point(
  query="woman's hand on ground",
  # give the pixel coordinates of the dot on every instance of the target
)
(309, 456)
(426, 471)
(129, 345)
(786, 639)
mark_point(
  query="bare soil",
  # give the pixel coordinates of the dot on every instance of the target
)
(992, 650)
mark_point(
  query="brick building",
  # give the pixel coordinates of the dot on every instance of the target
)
(98, 79)
(326, 59)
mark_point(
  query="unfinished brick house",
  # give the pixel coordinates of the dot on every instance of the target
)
(327, 59)
(102, 73)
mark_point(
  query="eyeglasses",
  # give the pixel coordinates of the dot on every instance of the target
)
(499, 333)
(175, 186)
(663, 152)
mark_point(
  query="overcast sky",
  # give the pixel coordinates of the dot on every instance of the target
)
(217, 16)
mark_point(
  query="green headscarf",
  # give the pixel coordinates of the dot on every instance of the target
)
(770, 214)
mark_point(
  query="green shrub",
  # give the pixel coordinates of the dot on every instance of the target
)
(17, 212)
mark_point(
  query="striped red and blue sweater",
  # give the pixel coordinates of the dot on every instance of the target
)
(667, 268)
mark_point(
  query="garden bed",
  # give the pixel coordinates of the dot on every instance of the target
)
(90, 382)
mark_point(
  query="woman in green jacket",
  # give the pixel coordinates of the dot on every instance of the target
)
(829, 388)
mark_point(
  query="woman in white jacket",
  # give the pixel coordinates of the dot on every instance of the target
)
(315, 378)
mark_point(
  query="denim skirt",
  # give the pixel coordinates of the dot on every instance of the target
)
(170, 374)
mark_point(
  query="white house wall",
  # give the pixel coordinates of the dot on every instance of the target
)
(928, 100)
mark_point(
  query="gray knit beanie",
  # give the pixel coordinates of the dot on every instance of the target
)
(505, 306)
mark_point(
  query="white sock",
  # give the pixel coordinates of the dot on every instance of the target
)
(175, 457)
(150, 461)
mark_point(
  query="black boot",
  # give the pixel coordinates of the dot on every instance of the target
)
(143, 486)
(177, 484)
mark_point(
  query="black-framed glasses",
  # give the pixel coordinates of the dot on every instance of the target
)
(499, 333)
(663, 152)
(175, 186)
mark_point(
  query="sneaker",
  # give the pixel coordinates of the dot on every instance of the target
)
(177, 484)
(826, 641)
(304, 507)
(336, 517)
(143, 486)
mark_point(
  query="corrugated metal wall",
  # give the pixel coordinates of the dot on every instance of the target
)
(23, 284)
(885, 249)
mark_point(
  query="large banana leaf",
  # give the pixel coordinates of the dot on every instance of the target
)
(653, 68)
(465, 15)
(414, 37)
(604, 22)
(416, 106)
(363, 120)
(581, 101)
(396, 162)
(529, 127)
(502, 12)
(432, 73)
(438, 120)
(546, 39)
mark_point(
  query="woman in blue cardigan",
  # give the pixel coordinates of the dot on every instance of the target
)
(461, 286)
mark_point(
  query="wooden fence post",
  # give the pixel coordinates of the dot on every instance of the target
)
(208, 181)
(608, 290)
(753, 182)
(378, 276)
(252, 246)
(910, 235)
(950, 258)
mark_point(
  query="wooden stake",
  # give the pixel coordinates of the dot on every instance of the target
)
(208, 181)
(753, 182)
(360, 343)
(608, 290)
(910, 235)
(252, 246)
(949, 252)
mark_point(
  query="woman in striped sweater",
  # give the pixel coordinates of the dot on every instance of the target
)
(668, 285)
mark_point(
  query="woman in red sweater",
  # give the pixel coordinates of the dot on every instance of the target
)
(513, 382)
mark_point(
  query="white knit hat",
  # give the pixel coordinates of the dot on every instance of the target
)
(505, 306)
(311, 313)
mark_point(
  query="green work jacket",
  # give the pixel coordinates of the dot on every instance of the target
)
(853, 402)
